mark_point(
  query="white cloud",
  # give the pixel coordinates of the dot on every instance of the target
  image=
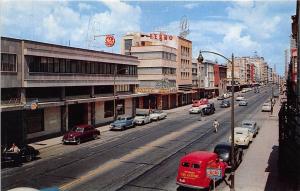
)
(191, 5)
(59, 21)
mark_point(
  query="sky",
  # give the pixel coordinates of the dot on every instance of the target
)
(244, 28)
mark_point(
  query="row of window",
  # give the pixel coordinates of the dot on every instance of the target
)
(185, 51)
(185, 75)
(185, 63)
(59, 65)
(167, 71)
(8, 62)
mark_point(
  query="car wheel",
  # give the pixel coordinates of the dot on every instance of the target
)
(28, 158)
(78, 141)
(95, 136)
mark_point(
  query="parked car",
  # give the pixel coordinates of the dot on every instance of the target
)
(225, 103)
(226, 95)
(266, 106)
(209, 109)
(122, 123)
(192, 170)
(243, 102)
(157, 115)
(27, 153)
(197, 103)
(239, 98)
(252, 126)
(197, 110)
(81, 133)
(142, 118)
(242, 136)
(223, 150)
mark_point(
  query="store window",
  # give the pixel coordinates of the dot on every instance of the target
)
(35, 121)
(120, 107)
(108, 109)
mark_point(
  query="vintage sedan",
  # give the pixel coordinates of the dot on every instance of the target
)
(122, 123)
(81, 133)
(225, 103)
(27, 153)
(156, 115)
(252, 126)
(266, 106)
(223, 150)
(142, 118)
(239, 98)
(209, 109)
(197, 110)
(242, 136)
(243, 103)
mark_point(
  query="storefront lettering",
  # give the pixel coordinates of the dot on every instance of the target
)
(161, 37)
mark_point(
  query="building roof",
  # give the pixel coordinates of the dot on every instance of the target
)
(62, 46)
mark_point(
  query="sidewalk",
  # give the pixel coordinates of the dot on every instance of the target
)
(258, 171)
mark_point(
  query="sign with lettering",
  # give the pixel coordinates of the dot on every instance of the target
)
(214, 173)
(161, 37)
(156, 90)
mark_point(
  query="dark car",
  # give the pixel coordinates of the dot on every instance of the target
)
(27, 153)
(225, 103)
(81, 133)
(209, 109)
(224, 152)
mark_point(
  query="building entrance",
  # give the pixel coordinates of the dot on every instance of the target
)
(77, 114)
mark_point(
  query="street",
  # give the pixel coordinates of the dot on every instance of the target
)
(142, 158)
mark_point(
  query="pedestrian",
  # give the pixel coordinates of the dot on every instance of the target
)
(216, 124)
(14, 148)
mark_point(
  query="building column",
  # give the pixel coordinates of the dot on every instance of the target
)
(93, 112)
(141, 102)
(92, 91)
(64, 118)
(23, 127)
(169, 100)
(133, 106)
(23, 95)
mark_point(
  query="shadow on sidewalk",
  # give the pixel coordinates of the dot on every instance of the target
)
(277, 181)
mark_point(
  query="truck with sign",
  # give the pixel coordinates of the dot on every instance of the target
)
(200, 169)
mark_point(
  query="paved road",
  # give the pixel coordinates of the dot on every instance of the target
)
(149, 152)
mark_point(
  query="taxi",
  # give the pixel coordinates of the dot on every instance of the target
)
(192, 170)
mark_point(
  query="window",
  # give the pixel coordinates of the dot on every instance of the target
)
(128, 44)
(68, 66)
(62, 65)
(56, 65)
(8, 62)
(50, 66)
(195, 166)
(120, 104)
(185, 164)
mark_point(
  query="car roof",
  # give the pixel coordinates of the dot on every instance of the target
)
(83, 125)
(223, 145)
(199, 155)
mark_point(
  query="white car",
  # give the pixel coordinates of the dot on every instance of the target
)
(226, 95)
(157, 115)
(242, 136)
(197, 109)
(141, 119)
(266, 107)
(240, 98)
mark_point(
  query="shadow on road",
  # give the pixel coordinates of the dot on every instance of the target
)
(277, 181)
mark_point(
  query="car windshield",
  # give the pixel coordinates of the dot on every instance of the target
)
(121, 118)
(247, 124)
(142, 115)
(157, 111)
(239, 132)
(78, 129)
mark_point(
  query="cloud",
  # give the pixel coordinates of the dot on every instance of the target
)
(191, 5)
(60, 21)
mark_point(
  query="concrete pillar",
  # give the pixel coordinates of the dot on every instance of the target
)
(89, 114)
(159, 101)
(169, 100)
(133, 106)
(92, 91)
(64, 118)
(63, 93)
(23, 95)
(141, 102)
(93, 111)
(23, 126)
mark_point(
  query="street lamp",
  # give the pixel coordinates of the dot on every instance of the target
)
(115, 74)
(200, 59)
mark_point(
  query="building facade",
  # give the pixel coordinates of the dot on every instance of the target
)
(46, 89)
(165, 68)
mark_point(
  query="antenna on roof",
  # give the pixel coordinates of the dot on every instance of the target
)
(184, 27)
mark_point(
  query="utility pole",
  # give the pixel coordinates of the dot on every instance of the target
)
(232, 125)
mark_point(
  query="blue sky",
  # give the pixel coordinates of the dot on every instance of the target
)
(239, 27)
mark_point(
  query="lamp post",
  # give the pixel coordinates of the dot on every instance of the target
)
(115, 74)
(200, 59)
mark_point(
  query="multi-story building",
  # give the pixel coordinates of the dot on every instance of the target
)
(46, 89)
(168, 54)
(222, 84)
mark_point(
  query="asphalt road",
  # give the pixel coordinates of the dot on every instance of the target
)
(145, 157)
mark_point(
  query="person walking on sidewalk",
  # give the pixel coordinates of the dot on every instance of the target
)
(216, 125)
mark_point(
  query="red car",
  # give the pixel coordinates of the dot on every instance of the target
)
(192, 169)
(81, 133)
(197, 103)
